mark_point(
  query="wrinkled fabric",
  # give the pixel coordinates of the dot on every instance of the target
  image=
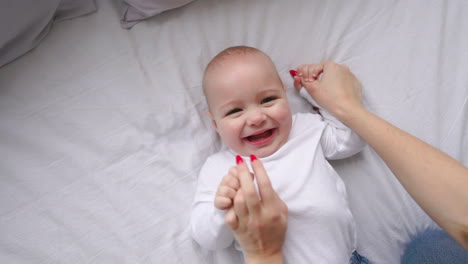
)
(104, 131)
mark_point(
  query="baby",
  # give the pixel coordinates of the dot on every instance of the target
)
(250, 111)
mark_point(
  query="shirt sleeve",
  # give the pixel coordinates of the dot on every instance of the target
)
(338, 141)
(206, 221)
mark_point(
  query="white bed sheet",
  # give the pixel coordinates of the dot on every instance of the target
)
(103, 131)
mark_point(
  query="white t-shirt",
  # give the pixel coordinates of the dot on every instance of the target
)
(321, 228)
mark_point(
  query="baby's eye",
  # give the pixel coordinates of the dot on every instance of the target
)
(233, 111)
(269, 99)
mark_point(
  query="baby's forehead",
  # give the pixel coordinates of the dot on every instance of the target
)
(231, 69)
(227, 63)
(230, 63)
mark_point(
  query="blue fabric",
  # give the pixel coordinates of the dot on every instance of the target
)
(358, 259)
(434, 246)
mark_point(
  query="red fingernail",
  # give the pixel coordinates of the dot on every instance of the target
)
(253, 158)
(239, 159)
(293, 73)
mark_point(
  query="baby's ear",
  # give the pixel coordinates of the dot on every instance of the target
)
(212, 119)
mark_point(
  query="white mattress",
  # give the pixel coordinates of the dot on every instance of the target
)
(103, 132)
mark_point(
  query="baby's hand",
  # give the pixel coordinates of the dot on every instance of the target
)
(307, 73)
(227, 190)
(337, 90)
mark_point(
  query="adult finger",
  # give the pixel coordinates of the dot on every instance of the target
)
(267, 194)
(248, 189)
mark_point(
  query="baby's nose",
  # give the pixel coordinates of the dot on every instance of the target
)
(256, 118)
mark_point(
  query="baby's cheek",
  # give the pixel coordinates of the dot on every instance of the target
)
(285, 118)
(284, 113)
(224, 134)
(229, 135)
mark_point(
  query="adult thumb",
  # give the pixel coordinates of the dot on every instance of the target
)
(312, 87)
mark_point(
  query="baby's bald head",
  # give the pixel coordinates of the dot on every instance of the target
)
(232, 57)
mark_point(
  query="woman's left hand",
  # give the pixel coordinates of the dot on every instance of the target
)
(258, 220)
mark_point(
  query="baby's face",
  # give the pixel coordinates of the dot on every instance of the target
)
(248, 105)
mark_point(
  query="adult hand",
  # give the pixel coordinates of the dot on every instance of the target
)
(436, 181)
(337, 90)
(258, 220)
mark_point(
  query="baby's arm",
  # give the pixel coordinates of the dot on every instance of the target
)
(208, 226)
(338, 141)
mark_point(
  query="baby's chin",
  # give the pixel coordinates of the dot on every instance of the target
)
(262, 152)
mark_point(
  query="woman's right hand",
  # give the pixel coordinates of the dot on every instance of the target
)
(436, 181)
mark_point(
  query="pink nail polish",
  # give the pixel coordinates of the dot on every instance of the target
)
(239, 159)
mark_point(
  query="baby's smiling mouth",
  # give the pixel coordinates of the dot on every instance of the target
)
(260, 136)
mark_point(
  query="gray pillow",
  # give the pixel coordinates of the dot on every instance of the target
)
(24, 23)
(135, 11)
